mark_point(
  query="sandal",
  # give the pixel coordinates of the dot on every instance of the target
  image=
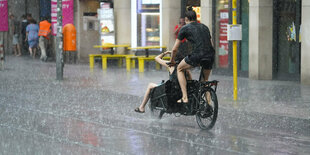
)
(138, 110)
(181, 101)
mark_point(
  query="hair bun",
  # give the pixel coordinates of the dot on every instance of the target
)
(190, 8)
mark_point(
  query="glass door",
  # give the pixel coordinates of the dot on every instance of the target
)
(287, 21)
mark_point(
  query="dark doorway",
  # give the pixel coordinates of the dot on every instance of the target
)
(45, 8)
(286, 42)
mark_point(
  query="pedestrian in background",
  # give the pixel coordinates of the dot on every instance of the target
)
(1, 51)
(32, 36)
(29, 17)
(44, 32)
(178, 27)
(185, 48)
(15, 27)
(24, 24)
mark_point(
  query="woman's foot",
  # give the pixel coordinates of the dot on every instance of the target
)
(139, 111)
(182, 100)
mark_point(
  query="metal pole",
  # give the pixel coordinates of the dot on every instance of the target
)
(59, 43)
(26, 7)
(235, 69)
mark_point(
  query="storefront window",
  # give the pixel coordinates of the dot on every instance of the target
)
(148, 22)
(287, 44)
(221, 43)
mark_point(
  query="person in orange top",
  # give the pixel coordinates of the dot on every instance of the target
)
(44, 32)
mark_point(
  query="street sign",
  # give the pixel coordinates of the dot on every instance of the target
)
(234, 32)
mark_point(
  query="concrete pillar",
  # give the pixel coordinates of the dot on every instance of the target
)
(77, 21)
(260, 39)
(305, 42)
(170, 17)
(206, 13)
(122, 13)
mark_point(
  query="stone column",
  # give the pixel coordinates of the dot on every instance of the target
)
(260, 39)
(206, 13)
(77, 24)
(170, 17)
(122, 12)
(305, 42)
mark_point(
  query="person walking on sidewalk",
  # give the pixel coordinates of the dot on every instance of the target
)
(24, 24)
(1, 50)
(32, 37)
(44, 32)
(15, 31)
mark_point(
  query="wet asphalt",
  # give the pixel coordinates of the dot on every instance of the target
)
(92, 112)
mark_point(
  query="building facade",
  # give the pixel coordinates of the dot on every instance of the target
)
(274, 44)
(273, 31)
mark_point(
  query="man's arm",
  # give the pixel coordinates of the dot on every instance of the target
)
(175, 50)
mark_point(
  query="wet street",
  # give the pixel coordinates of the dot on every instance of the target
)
(92, 112)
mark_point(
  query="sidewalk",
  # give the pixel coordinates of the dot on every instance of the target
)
(261, 104)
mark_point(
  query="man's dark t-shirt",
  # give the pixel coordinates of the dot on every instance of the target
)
(199, 36)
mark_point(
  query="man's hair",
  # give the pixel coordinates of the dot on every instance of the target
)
(190, 14)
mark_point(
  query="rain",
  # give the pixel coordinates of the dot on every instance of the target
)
(91, 111)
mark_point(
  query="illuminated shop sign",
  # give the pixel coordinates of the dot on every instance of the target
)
(150, 1)
(197, 10)
(148, 6)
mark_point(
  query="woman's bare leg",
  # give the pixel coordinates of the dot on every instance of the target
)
(182, 80)
(18, 50)
(30, 51)
(146, 96)
(14, 50)
(34, 52)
